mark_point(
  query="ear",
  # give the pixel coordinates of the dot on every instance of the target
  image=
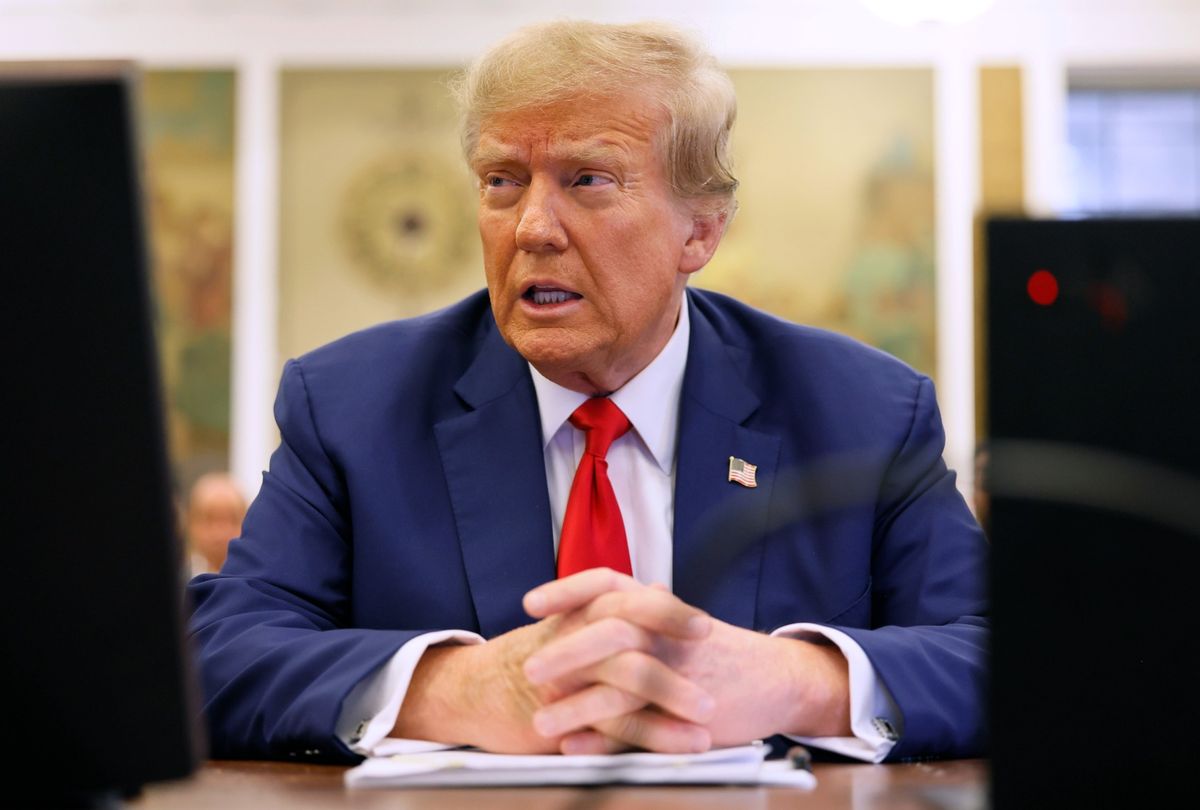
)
(707, 230)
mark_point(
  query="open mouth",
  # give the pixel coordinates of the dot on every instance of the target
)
(546, 296)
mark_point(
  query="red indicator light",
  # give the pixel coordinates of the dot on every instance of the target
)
(1043, 288)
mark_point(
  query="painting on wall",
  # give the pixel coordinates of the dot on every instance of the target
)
(187, 142)
(835, 225)
(377, 208)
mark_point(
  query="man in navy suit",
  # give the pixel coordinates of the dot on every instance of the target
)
(796, 558)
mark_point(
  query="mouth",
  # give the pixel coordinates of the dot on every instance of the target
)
(547, 296)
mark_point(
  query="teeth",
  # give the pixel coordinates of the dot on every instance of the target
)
(549, 296)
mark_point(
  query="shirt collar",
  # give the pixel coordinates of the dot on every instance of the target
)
(650, 400)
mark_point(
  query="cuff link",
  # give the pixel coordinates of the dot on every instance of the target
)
(885, 729)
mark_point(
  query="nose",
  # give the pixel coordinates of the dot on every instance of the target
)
(539, 229)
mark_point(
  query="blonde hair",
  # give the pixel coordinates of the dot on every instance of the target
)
(540, 65)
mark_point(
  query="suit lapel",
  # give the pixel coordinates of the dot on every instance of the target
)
(496, 474)
(719, 524)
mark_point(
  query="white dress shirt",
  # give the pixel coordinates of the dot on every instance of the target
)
(641, 466)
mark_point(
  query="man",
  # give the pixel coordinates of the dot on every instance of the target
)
(212, 517)
(442, 481)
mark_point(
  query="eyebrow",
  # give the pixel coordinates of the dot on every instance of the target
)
(491, 154)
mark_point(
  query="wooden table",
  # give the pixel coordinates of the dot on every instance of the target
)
(228, 785)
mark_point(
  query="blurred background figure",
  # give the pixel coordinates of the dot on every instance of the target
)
(214, 511)
(982, 498)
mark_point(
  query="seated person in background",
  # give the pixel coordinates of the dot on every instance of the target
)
(591, 509)
(983, 497)
(212, 517)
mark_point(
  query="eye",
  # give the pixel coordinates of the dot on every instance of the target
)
(498, 181)
(592, 180)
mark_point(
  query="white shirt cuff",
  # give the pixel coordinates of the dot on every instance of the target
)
(874, 717)
(369, 712)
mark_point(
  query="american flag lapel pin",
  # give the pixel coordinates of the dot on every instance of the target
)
(742, 472)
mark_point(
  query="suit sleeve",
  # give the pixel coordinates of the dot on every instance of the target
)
(929, 642)
(276, 652)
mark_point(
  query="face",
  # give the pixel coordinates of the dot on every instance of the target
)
(214, 518)
(586, 248)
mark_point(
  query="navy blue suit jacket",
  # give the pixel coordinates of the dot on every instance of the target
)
(408, 494)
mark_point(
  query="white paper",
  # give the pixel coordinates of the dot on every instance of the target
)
(743, 765)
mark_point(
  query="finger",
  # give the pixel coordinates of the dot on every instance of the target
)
(655, 610)
(590, 742)
(653, 731)
(575, 591)
(648, 678)
(590, 644)
(578, 711)
(632, 673)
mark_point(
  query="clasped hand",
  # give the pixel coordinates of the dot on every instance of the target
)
(614, 664)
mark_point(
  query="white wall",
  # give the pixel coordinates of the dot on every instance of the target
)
(258, 37)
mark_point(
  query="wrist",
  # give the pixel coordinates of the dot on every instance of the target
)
(820, 680)
(436, 699)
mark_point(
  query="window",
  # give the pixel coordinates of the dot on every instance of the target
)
(1134, 150)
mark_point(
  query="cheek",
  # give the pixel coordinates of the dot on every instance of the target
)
(652, 259)
(638, 247)
(496, 231)
(497, 250)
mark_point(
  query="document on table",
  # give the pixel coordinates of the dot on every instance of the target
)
(743, 765)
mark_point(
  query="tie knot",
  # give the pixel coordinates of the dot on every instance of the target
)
(603, 423)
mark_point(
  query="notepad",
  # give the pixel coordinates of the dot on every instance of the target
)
(742, 765)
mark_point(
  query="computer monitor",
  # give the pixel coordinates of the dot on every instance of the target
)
(98, 697)
(1093, 410)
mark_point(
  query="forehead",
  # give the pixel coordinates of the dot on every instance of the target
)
(215, 496)
(579, 128)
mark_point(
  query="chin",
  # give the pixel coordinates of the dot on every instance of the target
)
(552, 351)
(548, 350)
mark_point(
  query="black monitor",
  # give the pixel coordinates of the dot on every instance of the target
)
(1093, 378)
(98, 697)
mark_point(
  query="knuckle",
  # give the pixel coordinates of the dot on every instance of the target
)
(603, 701)
(595, 610)
(609, 625)
(609, 603)
(629, 635)
(631, 728)
(605, 636)
(619, 702)
(638, 670)
(650, 681)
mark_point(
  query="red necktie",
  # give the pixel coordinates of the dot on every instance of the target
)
(593, 534)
